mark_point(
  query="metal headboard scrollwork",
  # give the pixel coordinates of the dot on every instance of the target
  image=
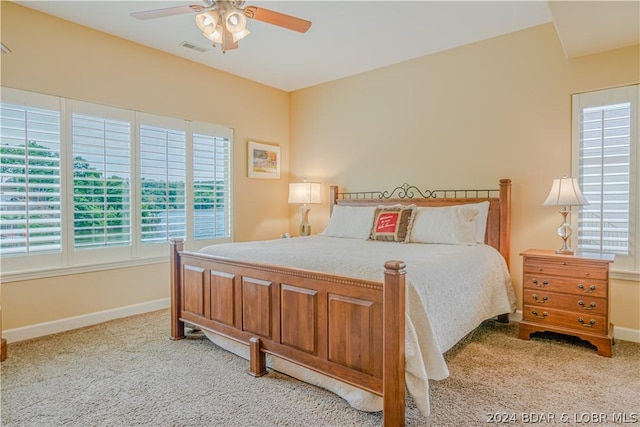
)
(498, 232)
(406, 191)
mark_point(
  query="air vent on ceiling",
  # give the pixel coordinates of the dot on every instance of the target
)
(193, 46)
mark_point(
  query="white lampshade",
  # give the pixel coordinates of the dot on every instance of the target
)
(304, 193)
(565, 192)
(207, 22)
(216, 36)
(235, 22)
(239, 35)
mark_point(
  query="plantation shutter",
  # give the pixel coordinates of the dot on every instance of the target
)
(211, 186)
(101, 180)
(162, 183)
(606, 158)
(30, 186)
(605, 178)
(88, 186)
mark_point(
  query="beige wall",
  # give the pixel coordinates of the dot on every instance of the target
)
(462, 118)
(57, 57)
(32, 302)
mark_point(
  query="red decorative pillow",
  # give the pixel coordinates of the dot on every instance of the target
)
(392, 223)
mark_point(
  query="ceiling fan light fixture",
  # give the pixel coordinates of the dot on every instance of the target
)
(224, 21)
(215, 36)
(239, 35)
(207, 22)
(235, 22)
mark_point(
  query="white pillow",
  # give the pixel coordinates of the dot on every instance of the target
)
(353, 222)
(481, 219)
(452, 225)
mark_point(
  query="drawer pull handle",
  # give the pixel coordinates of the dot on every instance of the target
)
(591, 288)
(564, 263)
(542, 301)
(544, 314)
(544, 283)
(584, 307)
(587, 325)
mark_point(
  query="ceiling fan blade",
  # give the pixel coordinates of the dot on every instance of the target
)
(227, 40)
(277, 18)
(167, 11)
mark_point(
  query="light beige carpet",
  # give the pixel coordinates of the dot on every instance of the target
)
(128, 373)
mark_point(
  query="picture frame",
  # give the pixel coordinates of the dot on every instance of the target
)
(263, 160)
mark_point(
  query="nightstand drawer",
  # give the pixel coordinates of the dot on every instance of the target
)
(576, 303)
(569, 285)
(566, 268)
(583, 321)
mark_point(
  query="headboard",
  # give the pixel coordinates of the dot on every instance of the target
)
(498, 222)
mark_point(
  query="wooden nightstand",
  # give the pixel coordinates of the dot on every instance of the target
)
(567, 294)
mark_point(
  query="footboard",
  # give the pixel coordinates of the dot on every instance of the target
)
(350, 329)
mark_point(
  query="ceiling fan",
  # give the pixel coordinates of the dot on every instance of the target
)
(224, 22)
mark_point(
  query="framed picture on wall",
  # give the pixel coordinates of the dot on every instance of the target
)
(264, 160)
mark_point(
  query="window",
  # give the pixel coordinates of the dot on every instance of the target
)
(211, 186)
(162, 183)
(606, 159)
(101, 181)
(29, 179)
(85, 184)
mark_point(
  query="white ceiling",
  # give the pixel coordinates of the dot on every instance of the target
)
(587, 27)
(351, 37)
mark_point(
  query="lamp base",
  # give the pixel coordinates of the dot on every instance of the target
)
(565, 252)
(305, 227)
(565, 231)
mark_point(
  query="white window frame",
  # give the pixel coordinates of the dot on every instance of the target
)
(154, 249)
(221, 132)
(43, 259)
(87, 256)
(70, 260)
(625, 266)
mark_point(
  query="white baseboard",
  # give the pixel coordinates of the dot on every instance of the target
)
(515, 317)
(626, 334)
(55, 326)
(619, 333)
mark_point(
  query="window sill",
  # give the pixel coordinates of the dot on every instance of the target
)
(66, 271)
(632, 276)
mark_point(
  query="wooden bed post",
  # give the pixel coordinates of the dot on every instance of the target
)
(334, 198)
(177, 327)
(257, 359)
(505, 230)
(505, 220)
(393, 380)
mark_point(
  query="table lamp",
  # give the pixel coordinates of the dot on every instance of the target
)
(565, 192)
(304, 193)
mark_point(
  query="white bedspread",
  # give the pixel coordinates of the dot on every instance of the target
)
(451, 289)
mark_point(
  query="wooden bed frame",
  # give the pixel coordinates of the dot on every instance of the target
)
(349, 329)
